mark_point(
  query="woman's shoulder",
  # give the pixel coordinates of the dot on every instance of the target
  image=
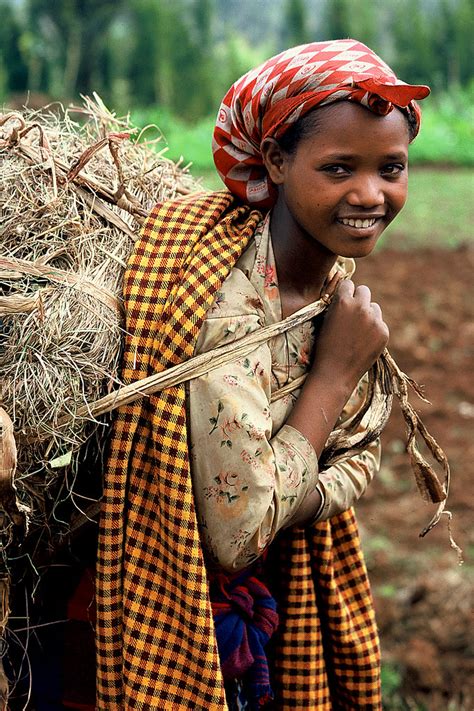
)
(195, 204)
(237, 297)
(199, 213)
(198, 199)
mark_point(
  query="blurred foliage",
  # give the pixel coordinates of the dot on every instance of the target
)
(182, 53)
(447, 129)
(192, 142)
(438, 213)
(178, 57)
(391, 680)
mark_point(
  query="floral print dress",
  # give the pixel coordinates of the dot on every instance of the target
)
(250, 470)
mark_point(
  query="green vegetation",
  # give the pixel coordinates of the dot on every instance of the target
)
(191, 142)
(391, 680)
(438, 213)
(447, 129)
(184, 54)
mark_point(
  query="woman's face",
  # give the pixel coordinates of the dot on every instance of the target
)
(346, 181)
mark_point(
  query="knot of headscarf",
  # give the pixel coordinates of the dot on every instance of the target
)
(267, 100)
(245, 618)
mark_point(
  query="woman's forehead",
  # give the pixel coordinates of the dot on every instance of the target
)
(344, 123)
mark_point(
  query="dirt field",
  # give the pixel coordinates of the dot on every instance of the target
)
(422, 595)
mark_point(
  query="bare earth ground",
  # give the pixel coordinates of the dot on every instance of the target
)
(422, 596)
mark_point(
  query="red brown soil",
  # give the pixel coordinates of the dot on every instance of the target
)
(422, 595)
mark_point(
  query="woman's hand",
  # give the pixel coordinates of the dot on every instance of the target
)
(352, 336)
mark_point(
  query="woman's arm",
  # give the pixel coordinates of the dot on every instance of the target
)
(339, 487)
(248, 479)
(352, 337)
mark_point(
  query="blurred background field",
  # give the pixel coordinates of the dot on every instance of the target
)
(168, 63)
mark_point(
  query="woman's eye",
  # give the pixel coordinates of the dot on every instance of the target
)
(393, 169)
(336, 169)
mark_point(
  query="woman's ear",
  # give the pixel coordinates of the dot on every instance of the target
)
(274, 160)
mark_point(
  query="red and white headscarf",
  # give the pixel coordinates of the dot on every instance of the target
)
(268, 99)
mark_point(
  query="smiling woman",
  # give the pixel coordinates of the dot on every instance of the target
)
(225, 520)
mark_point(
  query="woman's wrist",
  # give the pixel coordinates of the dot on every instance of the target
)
(318, 408)
(309, 510)
(341, 382)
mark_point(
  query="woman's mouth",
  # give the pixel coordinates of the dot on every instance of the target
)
(358, 223)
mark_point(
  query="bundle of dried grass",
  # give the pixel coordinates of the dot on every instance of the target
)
(72, 199)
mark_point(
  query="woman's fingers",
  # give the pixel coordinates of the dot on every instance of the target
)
(376, 309)
(351, 296)
(362, 293)
(346, 288)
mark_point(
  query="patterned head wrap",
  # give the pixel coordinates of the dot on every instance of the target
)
(267, 100)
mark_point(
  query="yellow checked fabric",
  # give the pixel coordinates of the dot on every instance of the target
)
(155, 636)
(326, 651)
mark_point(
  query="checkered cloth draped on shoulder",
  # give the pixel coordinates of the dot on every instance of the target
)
(155, 634)
(268, 99)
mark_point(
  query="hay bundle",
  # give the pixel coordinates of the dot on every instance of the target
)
(72, 199)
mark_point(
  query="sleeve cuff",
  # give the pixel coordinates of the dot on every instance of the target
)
(303, 447)
(317, 516)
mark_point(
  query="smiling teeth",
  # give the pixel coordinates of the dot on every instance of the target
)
(360, 224)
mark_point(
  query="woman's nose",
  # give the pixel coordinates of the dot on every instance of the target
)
(366, 192)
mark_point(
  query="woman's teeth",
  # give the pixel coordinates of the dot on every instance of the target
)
(360, 224)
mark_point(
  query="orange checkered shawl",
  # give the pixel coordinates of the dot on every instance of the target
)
(155, 635)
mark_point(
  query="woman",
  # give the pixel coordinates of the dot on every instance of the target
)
(214, 500)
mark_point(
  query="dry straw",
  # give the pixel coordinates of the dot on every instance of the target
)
(72, 197)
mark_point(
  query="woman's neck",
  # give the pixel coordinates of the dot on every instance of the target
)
(302, 263)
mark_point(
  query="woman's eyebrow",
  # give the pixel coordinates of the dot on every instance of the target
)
(338, 156)
(397, 155)
(400, 155)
